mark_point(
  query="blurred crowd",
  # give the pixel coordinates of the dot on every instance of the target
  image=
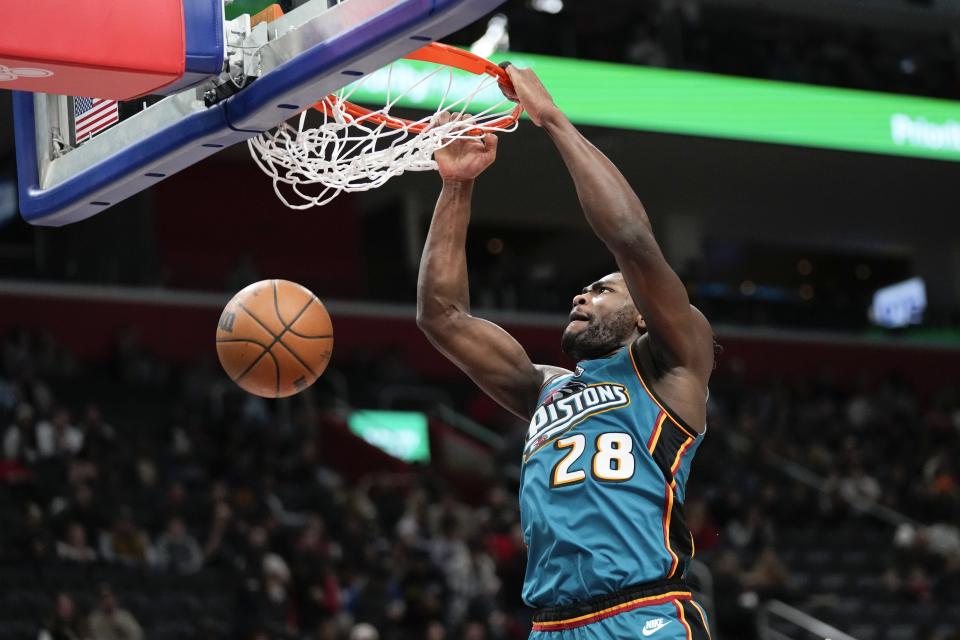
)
(839, 461)
(746, 41)
(206, 478)
(135, 463)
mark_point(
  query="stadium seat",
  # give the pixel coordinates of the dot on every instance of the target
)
(881, 611)
(864, 631)
(833, 582)
(854, 559)
(849, 608)
(901, 632)
(801, 581)
(17, 630)
(23, 575)
(818, 557)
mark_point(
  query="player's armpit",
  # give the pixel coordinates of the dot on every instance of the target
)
(680, 336)
(492, 358)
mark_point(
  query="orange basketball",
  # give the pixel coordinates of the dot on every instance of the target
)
(274, 338)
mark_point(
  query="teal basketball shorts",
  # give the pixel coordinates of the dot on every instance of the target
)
(658, 611)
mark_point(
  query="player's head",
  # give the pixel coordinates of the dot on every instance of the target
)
(108, 602)
(602, 320)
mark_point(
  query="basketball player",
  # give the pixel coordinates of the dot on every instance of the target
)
(609, 446)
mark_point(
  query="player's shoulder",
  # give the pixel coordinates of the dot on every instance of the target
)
(701, 324)
(698, 358)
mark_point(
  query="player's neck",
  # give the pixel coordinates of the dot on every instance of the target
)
(609, 354)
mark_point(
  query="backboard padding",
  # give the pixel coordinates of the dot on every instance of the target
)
(316, 51)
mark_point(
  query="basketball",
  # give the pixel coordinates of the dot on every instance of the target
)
(274, 338)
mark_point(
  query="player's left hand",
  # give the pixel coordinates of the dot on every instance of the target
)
(467, 158)
(529, 91)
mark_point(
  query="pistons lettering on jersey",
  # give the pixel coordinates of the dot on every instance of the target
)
(571, 404)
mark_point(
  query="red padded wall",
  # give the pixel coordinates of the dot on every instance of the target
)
(214, 214)
(185, 333)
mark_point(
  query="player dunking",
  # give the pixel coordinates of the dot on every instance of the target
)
(609, 446)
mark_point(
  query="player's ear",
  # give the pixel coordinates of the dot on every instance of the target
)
(641, 324)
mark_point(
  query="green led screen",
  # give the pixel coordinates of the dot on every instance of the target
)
(683, 102)
(402, 434)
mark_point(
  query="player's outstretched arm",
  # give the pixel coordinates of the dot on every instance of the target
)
(483, 350)
(679, 334)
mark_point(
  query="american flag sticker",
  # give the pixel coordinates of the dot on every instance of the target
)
(93, 115)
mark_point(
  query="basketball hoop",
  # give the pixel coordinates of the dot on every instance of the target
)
(357, 149)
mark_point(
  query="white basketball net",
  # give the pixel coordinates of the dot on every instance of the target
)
(347, 153)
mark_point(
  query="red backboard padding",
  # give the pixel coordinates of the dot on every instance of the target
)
(95, 48)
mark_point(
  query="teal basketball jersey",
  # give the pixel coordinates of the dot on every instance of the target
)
(602, 485)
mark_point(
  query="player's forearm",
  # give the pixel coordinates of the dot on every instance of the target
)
(442, 286)
(609, 202)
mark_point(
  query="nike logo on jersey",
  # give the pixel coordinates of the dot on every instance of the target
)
(654, 625)
(563, 410)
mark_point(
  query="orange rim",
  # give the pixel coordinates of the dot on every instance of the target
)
(441, 54)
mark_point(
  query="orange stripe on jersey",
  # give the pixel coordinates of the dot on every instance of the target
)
(657, 429)
(676, 461)
(703, 617)
(683, 620)
(643, 383)
(580, 621)
(667, 511)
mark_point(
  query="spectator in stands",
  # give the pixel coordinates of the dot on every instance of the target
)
(375, 598)
(280, 513)
(892, 582)
(424, 590)
(768, 577)
(179, 504)
(220, 547)
(276, 580)
(111, 622)
(99, 437)
(435, 631)
(450, 553)
(859, 488)
(74, 546)
(265, 598)
(751, 530)
(35, 391)
(20, 439)
(918, 585)
(318, 591)
(36, 536)
(705, 532)
(735, 613)
(474, 630)
(124, 542)
(82, 508)
(8, 393)
(57, 437)
(327, 630)
(177, 550)
(412, 525)
(483, 580)
(364, 631)
(65, 623)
